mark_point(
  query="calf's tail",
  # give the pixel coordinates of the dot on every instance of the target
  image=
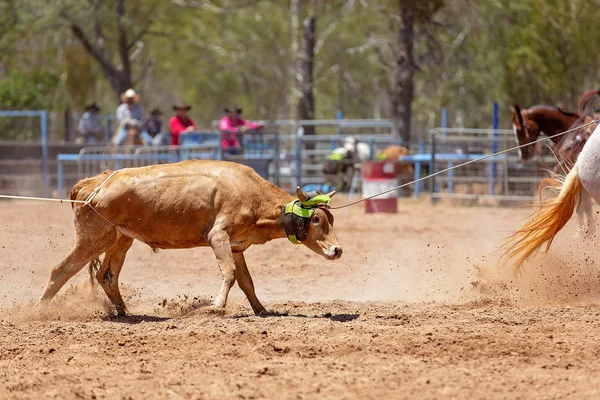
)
(93, 268)
(550, 217)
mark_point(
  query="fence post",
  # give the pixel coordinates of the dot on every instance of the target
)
(432, 169)
(371, 143)
(276, 156)
(335, 143)
(299, 136)
(59, 178)
(44, 131)
(418, 185)
(219, 146)
(493, 167)
(444, 123)
(450, 177)
(108, 132)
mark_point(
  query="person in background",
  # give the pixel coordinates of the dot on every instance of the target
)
(129, 114)
(232, 124)
(133, 135)
(153, 127)
(89, 127)
(180, 123)
(129, 108)
(153, 124)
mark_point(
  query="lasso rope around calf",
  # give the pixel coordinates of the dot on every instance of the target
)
(88, 200)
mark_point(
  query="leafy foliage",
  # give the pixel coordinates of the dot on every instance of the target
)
(212, 53)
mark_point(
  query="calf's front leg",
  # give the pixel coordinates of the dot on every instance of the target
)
(219, 242)
(245, 281)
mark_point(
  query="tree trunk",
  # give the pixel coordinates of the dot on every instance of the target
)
(293, 82)
(125, 80)
(403, 92)
(306, 105)
(120, 78)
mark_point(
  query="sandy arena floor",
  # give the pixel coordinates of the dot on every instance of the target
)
(416, 308)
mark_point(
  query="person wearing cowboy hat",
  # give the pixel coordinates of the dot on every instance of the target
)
(153, 124)
(129, 108)
(89, 127)
(233, 122)
(129, 113)
(180, 123)
(230, 126)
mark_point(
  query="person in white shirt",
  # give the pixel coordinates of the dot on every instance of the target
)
(129, 108)
(130, 113)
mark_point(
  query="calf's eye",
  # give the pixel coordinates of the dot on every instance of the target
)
(316, 220)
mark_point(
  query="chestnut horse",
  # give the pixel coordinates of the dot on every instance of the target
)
(530, 122)
(574, 141)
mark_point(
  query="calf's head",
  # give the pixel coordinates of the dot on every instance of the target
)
(307, 221)
(320, 237)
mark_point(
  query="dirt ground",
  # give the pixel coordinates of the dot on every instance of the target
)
(416, 308)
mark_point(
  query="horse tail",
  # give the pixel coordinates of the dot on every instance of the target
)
(547, 221)
(582, 104)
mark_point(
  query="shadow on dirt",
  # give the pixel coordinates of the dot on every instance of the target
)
(333, 317)
(136, 319)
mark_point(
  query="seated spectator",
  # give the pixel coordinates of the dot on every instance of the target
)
(89, 127)
(153, 127)
(129, 114)
(180, 123)
(129, 108)
(153, 124)
(130, 133)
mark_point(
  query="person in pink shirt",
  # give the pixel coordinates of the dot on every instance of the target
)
(180, 123)
(232, 124)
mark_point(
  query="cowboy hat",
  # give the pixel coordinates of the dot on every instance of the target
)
(181, 105)
(130, 94)
(227, 109)
(155, 111)
(92, 106)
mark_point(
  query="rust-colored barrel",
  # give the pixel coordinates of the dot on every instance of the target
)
(379, 176)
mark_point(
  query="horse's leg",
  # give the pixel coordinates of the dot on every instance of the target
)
(219, 242)
(108, 274)
(245, 281)
(585, 216)
(93, 237)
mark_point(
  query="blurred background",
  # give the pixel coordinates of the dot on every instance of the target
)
(419, 64)
(368, 56)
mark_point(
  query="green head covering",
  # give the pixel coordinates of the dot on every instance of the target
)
(297, 214)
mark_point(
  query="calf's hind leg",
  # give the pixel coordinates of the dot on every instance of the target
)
(219, 242)
(108, 274)
(245, 281)
(89, 244)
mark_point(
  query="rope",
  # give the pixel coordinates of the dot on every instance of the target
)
(462, 165)
(87, 201)
(5, 196)
(96, 190)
